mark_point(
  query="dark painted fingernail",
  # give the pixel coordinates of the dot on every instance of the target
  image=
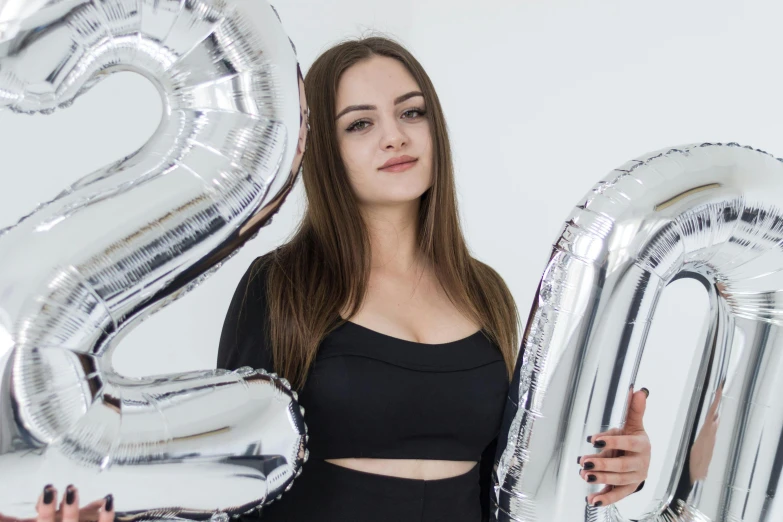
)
(69, 494)
(646, 391)
(109, 505)
(48, 494)
(589, 438)
(578, 459)
(639, 487)
(598, 503)
(589, 465)
(590, 478)
(587, 500)
(599, 444)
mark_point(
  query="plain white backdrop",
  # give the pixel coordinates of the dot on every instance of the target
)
(542, 100)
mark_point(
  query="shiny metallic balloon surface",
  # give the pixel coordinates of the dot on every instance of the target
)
(79, 271)
(709, 211)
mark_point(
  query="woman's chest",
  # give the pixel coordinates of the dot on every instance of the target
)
(383, 397)
(417, 311)
(353, 388)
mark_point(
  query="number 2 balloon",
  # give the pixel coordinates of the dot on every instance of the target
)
(81, 270)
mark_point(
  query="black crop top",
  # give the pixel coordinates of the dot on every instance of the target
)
(368, 394)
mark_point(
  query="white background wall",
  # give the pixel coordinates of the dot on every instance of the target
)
(542, 99)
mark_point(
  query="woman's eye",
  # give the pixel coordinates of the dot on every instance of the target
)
(355, 126)
(420, 112)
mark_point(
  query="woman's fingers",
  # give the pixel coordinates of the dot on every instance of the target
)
(92, 510)
(611, 494)
(634, 419)
(624, 464)
(635, 443)
(614, 479)
(69, 511)
(610, 431)
(69, 507)
(596, 499)
(107, 511)
(47, 503)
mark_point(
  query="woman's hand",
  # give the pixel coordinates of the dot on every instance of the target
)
(100, 510)
(624, 459)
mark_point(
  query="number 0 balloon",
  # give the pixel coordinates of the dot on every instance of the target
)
(707, 211)
(81, 270)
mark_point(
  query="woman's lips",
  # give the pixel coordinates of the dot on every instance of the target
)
(399, 167)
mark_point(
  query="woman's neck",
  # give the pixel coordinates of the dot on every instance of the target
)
(394, 236)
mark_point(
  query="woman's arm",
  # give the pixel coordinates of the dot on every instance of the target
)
(244, 339)
(485, 477)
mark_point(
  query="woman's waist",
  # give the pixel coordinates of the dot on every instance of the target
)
(417, 469)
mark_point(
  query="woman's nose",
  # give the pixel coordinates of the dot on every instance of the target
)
(394, 139)
(393, 136)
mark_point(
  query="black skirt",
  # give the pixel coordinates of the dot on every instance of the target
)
(327, 492)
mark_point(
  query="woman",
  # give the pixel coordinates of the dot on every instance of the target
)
(400, 344)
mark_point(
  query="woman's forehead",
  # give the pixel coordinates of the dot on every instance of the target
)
(375, 81)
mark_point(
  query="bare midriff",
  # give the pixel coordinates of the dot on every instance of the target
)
(421, 469)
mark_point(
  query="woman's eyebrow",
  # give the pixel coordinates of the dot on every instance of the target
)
(397, 101)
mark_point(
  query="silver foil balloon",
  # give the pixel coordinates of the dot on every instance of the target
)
(81, 270)
(712, 212)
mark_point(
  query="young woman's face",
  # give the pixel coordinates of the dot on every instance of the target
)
(380, 115)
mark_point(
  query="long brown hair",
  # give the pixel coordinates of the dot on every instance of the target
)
(325, 266)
